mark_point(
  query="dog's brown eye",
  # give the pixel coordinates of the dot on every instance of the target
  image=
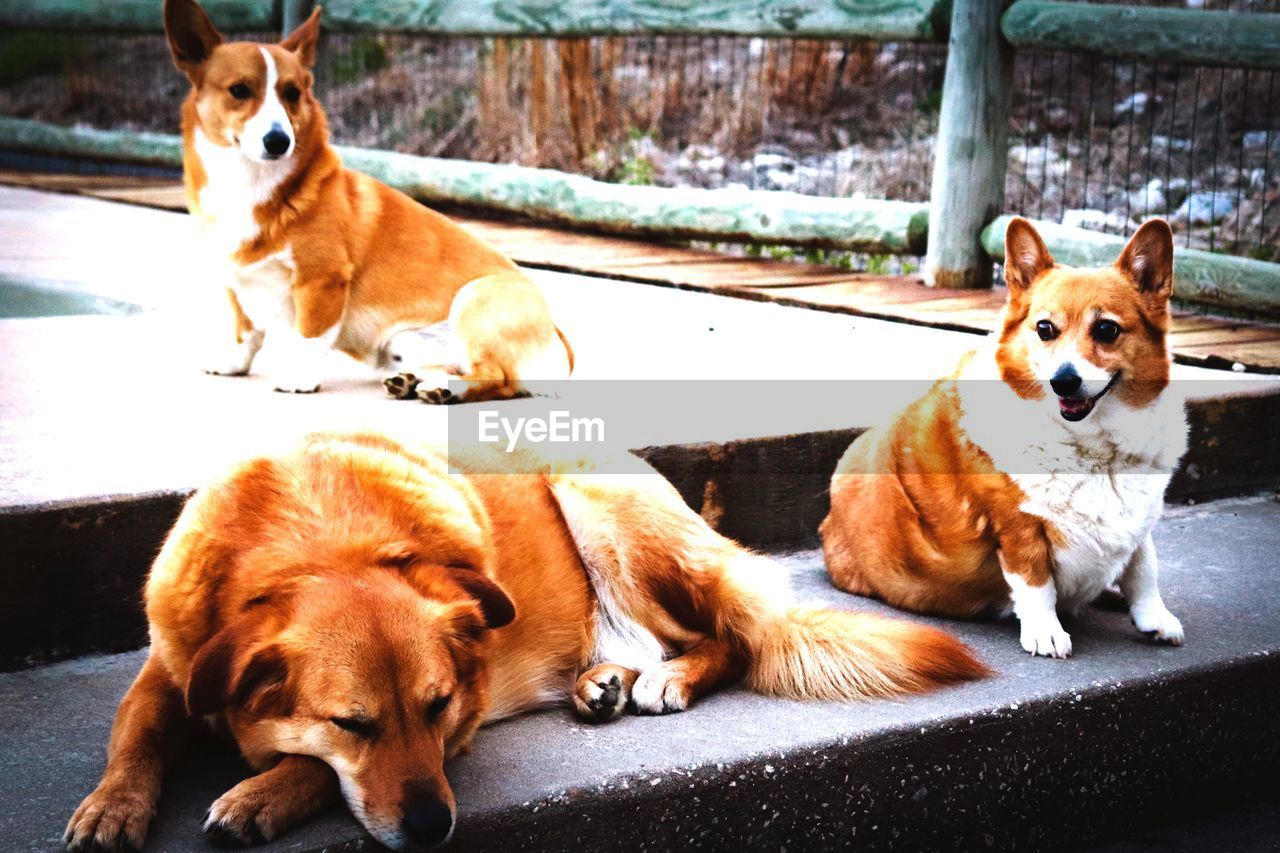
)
(1046, 330)
(356, 725)
(437, 706)
(292, 93)
(240, 91)
(1106, 331)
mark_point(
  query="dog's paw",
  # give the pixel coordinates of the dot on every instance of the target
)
(250, 813)
(225, 368)
(401, 386)
(300, 384)
(429, 392)
(661, 689)
(433, 386)
(233, 359)
(602, 692)
(1046, 640)
(110, 819)
(1158, 624)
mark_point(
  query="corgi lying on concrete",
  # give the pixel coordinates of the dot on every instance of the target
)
(353, 612)
(315, 257)
(1034, 475)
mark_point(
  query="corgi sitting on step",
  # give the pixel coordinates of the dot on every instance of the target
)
(1034, 475)
(315, 257)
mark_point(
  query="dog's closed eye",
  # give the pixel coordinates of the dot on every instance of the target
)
(358, 726)
(437, 706)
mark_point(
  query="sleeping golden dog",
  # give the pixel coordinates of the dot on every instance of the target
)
(353, 612)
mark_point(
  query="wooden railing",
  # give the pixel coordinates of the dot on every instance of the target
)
(970, 156)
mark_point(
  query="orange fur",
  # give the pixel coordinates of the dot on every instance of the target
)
(356, 582)
(366, 261)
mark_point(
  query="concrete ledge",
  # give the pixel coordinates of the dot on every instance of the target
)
(73, 576)
(1124, 732)
(77, 569)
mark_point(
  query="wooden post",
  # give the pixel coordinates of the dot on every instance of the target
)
(293, 13)
(972, 149)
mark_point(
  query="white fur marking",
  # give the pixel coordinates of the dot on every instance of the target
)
(1146, 607)
(235, 187)
(658, 691)
(306, 360)
(429, 346)
(619, 638)
(234, 359)
(1036, 607)
(271, 115)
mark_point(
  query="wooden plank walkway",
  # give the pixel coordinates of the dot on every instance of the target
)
(1196, 338)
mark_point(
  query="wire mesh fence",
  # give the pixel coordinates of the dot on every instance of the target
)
(1097, 143)
(1104, 144)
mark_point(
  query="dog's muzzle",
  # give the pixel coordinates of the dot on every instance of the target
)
(1072, 404)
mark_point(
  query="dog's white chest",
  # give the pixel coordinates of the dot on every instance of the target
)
(234, 188)
(1099, 483)
(1101, 519)
(264, 289)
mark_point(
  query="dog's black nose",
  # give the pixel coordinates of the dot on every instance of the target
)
(1066, 381)
(276, 142)
(427, 821)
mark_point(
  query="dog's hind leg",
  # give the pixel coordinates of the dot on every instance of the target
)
(675, 684)
(481, 382)
(118, 812)
(264, 806)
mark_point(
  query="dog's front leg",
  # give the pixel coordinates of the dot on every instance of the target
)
(318, 306)
(262, 807)
(237, 342)
(1142, 590)
(1027, 567)
(116, 815)
(675, 684)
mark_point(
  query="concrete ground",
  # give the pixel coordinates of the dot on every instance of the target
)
(1043, 754)
(94, 406)
(1048, 755)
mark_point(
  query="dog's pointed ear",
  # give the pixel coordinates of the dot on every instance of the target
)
(496, 607)
(191, 35)
(224, 672)
(302, 41)
(1147, 260)
(1025, 256)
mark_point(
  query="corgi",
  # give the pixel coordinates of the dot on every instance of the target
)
(353, 612)
(1032, 477)
(315, 257)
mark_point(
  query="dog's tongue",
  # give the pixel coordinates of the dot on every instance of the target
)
(1074, 405)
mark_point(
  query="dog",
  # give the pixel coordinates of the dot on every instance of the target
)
(352, 612)
(1034, 475)
(315, 257)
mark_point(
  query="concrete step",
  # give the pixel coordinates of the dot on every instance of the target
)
(84, 509)
(97, 453)
(107, 427)
(1046, 755)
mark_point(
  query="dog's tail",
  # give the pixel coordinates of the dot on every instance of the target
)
(641, 543)
(813, 653)
(832, 654)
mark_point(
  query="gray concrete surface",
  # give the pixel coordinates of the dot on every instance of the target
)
(107, 406)
(96, 406)
(1048, 755)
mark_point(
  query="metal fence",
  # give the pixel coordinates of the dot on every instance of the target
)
(1096, 143)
